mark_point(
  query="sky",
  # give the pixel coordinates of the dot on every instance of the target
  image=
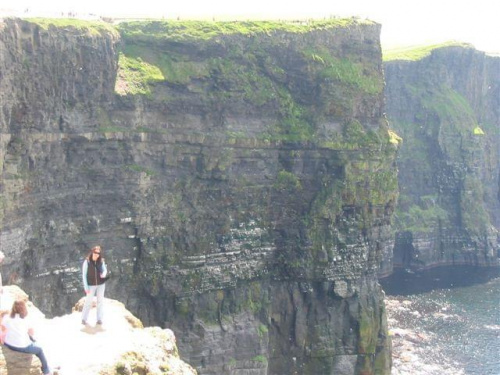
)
(404, 22)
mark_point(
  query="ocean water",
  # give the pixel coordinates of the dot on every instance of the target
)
(457, 310)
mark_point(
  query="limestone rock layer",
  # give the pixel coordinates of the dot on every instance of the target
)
(240, 178)
(446, 107)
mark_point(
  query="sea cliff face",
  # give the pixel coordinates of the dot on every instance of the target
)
(239, 176)
(446, 107)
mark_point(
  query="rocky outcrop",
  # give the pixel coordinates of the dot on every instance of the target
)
(11, 362)
(122, 346)
(239, 176)
(445, 106)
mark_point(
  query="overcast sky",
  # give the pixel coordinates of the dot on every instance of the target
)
(404, 22)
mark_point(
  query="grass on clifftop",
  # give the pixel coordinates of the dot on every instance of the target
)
(94, 27)
(205, 30)
(414, 53)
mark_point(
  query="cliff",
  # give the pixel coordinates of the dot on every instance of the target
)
(121, 347)
(239, 176)
(444, 101)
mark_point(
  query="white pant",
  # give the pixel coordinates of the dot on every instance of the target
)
(94, 290)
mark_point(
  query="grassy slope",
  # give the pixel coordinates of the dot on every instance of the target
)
(414, 53)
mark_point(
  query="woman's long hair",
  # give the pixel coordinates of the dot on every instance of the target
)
(19, 307)
(95, 248)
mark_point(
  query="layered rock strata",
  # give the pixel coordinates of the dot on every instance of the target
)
(446, 107)
(239, 176)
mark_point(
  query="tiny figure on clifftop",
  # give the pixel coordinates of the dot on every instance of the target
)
(17, 334)
(94, 273)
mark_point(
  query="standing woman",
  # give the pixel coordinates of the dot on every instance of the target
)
(94, 277)
(18, 334)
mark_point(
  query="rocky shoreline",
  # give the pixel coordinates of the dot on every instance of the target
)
(413, 349)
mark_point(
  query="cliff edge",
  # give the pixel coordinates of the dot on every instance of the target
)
(444, 102)
(122, 346)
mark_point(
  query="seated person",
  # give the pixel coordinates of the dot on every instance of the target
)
(17, 334)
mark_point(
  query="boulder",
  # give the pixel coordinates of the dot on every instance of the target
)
(15, 363)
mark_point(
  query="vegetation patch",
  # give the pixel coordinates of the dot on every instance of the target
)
(90, 27)
(354, 136)
(414, 53)
(260, 358)
(287, 181)
(254, 298)
(421, 219)
(368, 328)
(262, 330)
(345, 70)
(451, 106)
(135, 75)
(478, 131)
(394, 138)
(205, 30)
(369, 183)
(157, 64)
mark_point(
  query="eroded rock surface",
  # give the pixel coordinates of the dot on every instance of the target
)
(240, 178)
(445, 106)
(120, 346)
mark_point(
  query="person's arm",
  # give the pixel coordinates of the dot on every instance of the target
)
(30, 327)
(104, 269)
(84, 275)
(3, 332)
